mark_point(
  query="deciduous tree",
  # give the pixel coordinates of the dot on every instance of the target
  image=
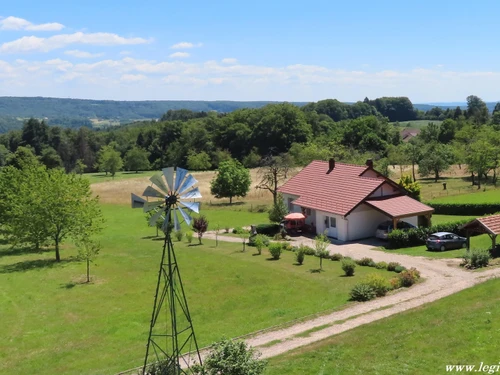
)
(232, 180)
(136, 159)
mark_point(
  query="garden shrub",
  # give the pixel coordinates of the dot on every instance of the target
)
(378, 283)
(336, 257)
(399, 269)
(308, 250)
(398, 239)
(275, 250)
(299, 256)
(409, 277)
(259, 241)
(179, 235)
(395, 283)
(476, 258)
(362, 292)
(227, 229)
(189, 236)
(264, 239)
(239, 230)
(268, 229)
(365, 261)
(286, 246)
(348, 265)
(381, 265)
(392, 266)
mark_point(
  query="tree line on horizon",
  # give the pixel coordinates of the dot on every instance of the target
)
(328, 128)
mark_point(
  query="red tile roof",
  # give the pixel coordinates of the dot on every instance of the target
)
(490, 224)
(338, 192)
(399, 206)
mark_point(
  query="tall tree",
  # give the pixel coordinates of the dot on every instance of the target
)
(35, 134)
(136, 159)
(480, 158)
(477, 110)
(109, 160)
(436, 159)
(413, 150)
(232, 180)
(273, 172)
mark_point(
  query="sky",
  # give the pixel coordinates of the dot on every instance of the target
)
(429, 51)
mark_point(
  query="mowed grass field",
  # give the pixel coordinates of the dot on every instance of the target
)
(460, 329)
(489, 196)
(53, 323)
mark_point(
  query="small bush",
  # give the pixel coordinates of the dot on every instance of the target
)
(398, 239)
(336, 257)
(399, 269)
(362, 292)
(409, 277)
(189, 236)
(395, 283)
(381, 265)
(307, 249)
(348, 265)
(299, 256)
(392, 266)
(275, 250)
(286, 246)
(259, 241)
(378, 283)
(365, 262)
(179, 235)
(239, 230)
(476, 258)
(227, 229)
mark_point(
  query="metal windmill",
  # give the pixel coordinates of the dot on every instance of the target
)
(172, 342)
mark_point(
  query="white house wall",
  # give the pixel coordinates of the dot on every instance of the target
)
(341, 224)
(412, 220)
(383, 191)
(363, 222)
(295, 208)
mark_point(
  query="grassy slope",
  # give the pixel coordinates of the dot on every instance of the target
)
(460, 329)
(51, 323)
(417, 124)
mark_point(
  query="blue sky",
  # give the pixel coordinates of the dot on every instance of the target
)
(430, 51)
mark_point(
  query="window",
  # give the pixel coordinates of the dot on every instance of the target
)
(333, 222)
(290, 205)
(308, 211)
(327, 222)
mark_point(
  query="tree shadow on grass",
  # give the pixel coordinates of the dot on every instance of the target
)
(29, 265)
(316, 270)
(271, 259)
(224, 204)
(194, 244)
(150, 237)
(298, 264)
(23, 251)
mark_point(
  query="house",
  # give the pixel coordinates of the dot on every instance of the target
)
(408, 133)
(350, 201)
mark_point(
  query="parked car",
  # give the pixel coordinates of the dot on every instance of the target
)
(386, 227)
(445, 241)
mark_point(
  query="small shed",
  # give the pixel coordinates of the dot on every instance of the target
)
(489, 225)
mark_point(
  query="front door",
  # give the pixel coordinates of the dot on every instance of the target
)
(331, 226)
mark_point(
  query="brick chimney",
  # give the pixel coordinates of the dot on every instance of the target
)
(369, 163)
(331, 165)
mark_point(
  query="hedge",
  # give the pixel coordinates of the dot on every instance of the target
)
(417, 236)
(477, 209)
(268, 229)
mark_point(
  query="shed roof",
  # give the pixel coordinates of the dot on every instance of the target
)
(487, 224)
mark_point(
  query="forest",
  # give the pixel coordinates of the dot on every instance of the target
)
(328, 128)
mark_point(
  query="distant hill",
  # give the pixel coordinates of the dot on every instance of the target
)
(453, 105)
(96, 113)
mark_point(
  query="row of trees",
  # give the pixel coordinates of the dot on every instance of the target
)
(41, 206)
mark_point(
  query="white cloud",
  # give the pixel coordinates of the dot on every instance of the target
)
(135, 79)
(15, 23)
(132, 77)
(229, 61)
(125, 53)
(33, 43)
(179, 55)
(82, 54)
(185, 45)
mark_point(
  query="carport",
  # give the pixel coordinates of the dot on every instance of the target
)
(489, 225)
(400, 207)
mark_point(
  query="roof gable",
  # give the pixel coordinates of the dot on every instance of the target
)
(338, 191)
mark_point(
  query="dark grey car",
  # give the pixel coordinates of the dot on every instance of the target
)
(445, 241)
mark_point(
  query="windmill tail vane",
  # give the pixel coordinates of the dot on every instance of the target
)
(172, 342)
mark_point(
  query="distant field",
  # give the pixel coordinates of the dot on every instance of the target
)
(416, 124)
(490, 196)
(459, 329)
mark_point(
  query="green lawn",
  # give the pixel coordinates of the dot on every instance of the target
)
(481, 242)
(441, 219)
(489, 196)
(416, 124)
(231, 216)
(53, 324)
(459, 329)
(102, 177)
